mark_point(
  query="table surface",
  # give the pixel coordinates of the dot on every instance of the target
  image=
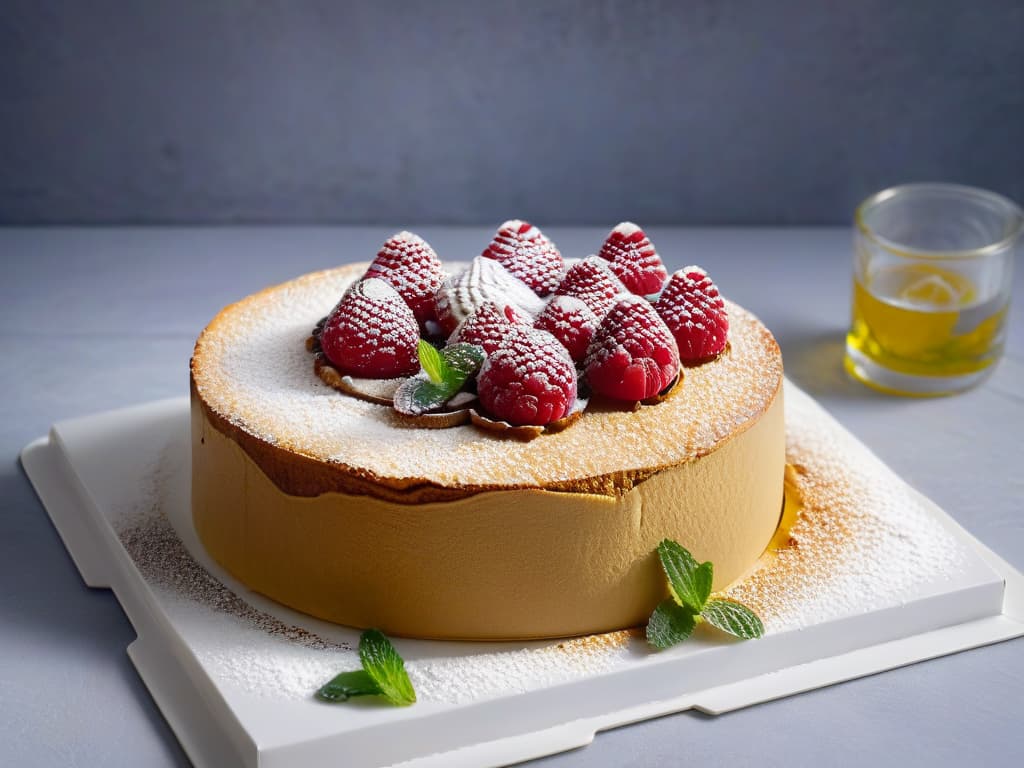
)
(94, 319)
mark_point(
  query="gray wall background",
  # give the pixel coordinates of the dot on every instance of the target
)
(565, 111)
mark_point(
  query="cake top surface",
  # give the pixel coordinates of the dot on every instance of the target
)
(252, 369)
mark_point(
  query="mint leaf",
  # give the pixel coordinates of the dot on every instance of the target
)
(419, 395)
(462, 360)
(346, 685)
(431, 362)
(734, 618)
(383, 674)
(452, 367)
(689, 583)
(669, 624)
(382, 663)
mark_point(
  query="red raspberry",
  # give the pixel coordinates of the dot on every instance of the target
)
(593, 283)
(528, 380)
(695, 314)
(527, 254)
(633, 355)
(634, 260)
(372, 333)
(408, 263)
(571, 322)
(488, 326)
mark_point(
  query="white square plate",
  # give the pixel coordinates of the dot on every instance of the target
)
(234, 672)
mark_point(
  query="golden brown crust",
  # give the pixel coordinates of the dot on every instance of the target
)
(296, 472)
(299, 475)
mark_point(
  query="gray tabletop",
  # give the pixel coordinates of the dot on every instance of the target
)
(93, 319)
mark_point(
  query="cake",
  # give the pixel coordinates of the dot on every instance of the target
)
(351, 511)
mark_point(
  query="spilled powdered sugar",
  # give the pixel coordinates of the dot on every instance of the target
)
(239, 642)
(862, 537)
(862, 541)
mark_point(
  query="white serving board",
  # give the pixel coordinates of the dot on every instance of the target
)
(237, 692)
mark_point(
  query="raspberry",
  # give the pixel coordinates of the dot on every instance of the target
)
(570, 321)
(488, 326)
(695, 314)
(527, 254)
(633, 355)
(593, 283)
(529, 379)
(372, 333)
(634, 260)
(483, 280)
(410, 266)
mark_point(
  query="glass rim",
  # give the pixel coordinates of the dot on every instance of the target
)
(1012, 210)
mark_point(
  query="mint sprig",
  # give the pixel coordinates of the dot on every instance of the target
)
(383, 674)
(382, 662)
(431, 361)
(669, 624)
(689, 583)
(347, 685)
(444, 374)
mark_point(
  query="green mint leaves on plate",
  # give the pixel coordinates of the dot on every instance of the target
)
(689, 583)
(383, 674)
(443, 376)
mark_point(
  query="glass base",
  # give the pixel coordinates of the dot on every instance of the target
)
(867, 371)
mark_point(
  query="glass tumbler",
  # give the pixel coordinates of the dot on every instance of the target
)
(932, 270)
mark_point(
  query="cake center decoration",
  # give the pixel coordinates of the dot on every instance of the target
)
(518, 342)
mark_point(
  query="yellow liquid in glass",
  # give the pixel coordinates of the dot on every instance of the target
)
(922, 320)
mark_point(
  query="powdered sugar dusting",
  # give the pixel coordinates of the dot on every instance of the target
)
(863, 541)
(237, 641)
(863, 536)
(251, 366)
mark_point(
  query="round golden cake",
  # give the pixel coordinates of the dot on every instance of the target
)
(339, 508)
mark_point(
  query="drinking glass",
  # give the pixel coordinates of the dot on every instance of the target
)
(931, 287)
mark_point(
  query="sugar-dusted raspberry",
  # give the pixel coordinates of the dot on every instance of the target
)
(372, 333)
(695, 314)
(483, 280)
(633, 259)
(593, 283)
(527, 254)
(529, 379)
(570, 321)
(633, 355)
(488, 326)
(408, 263)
